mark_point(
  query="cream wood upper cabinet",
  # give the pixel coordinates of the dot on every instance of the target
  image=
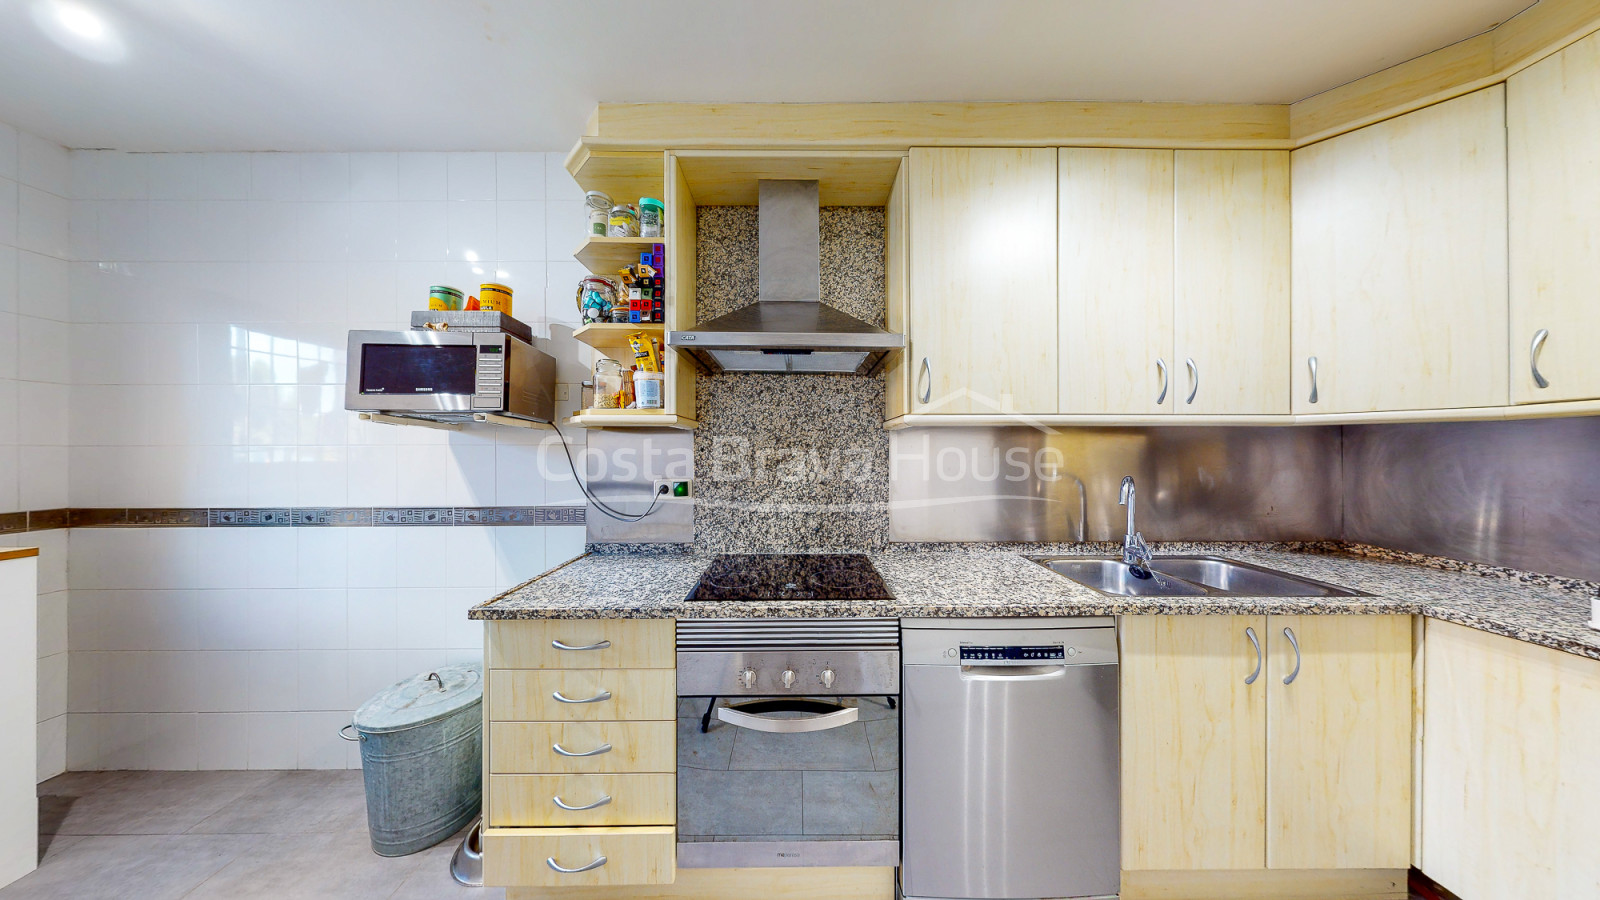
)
(1339, 742)
(1116, 281)
(1553, 131)
(1510, 783)
(983, 280)
(1193, 743)
(1230, 317)
(897, 370)
(1400, 292)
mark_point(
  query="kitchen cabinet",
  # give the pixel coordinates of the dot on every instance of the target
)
(983, 280)
(1509, 778)
(1116, 281)
(1231, 271)
(1400, 292)
(1553, 135)
(1228, 767)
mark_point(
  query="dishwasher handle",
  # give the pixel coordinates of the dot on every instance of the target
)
(1011, 673)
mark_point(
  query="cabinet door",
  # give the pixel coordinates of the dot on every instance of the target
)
(1116, 282)
(1400, 262)
(983, 280)
(1193, 743)
(1553, 129)
(1509, 778)
(1339, 742)
(1231, 282)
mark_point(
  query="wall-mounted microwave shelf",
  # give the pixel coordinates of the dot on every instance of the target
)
(605, 255)
(611, 338)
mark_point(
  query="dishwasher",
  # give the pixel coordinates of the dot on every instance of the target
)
(1010, 772)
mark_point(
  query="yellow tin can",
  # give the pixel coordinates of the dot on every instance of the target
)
(496, 297)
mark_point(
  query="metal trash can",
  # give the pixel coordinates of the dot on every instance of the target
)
(421, 758)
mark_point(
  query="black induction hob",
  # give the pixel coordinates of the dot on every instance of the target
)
(791, 576)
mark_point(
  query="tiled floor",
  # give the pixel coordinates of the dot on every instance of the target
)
(279, 835)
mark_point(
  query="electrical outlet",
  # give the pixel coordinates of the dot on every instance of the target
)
(563, 392)
(677, 488)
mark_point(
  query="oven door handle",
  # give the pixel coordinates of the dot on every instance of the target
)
(843, 717)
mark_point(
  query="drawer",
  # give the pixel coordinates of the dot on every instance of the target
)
(529, 748)
(616, 643)
(514, 857)
(528, 695)
(530, 800)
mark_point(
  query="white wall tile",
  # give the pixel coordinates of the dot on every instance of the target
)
(374, 618)
(422, 176)
(317, 741)
(43, 474)
(565, 221)
(370, 672)
(559, 183)
(9, 266)
(8, 151)
(272, 557)
(470, 176)
(323, 680)
(172, 742)
(43, 351)
(471, 231)
(226, 176)
(44, 222)
(274, 176)
(170, 176)
(321, 619)
(222, 741)
(10, 202)
(43, 286)
(52, 748)
(324, 176)
(114, 175)
(52, 687)
(371, 555)
(44, 164)
(222, 681)
(519, 176)
(274, 680)
(273, 741)
(521, 228)
(374, 176)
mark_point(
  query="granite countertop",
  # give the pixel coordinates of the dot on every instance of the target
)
(953, 581)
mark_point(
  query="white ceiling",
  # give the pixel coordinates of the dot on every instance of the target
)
(524, 74)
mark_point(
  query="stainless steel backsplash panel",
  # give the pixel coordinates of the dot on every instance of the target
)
(1195, 483)
(623, 465)
(1519, 494)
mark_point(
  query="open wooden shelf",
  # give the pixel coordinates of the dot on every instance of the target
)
(611, 338)
(624, 175)
(629, 418)
(605, 255)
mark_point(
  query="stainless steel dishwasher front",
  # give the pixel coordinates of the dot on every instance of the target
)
(1011, 786)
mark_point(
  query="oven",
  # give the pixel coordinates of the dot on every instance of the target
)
(788, 742)
(449, 376)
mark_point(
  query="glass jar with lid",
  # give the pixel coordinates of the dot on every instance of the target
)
(597, 297)
(598, 204)
(611, 381)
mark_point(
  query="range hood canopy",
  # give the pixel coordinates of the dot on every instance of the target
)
(788, 329)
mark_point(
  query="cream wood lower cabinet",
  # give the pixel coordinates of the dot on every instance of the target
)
(1510, 767)
(1237, 784)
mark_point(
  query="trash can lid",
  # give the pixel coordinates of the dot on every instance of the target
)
(425, 698)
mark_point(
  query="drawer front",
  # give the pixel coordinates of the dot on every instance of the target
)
(516, 857)
(615, 643)
(529, 748)
(529, 801)
(528, 695)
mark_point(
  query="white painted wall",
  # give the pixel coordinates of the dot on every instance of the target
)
(209, 297)
(35, 178)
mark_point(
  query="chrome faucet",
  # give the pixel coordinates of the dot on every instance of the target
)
(1135, 552)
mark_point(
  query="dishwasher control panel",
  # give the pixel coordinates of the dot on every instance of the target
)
(1029, 654)
(1008, 642)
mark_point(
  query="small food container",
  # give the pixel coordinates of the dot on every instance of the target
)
(610, 380)
(597, 294)
(442, 296)
(647, 389)
(624, 221)
(496, 297)
(652, 218)
(421, 758)
(598, 204)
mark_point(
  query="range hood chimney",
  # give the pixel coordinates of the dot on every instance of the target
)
(788, 329)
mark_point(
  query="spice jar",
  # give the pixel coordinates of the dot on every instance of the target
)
(624, 220)
(652, 217)
(597, 295)
(610, 384)
(598, 204)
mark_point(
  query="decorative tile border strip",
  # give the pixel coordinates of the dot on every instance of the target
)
(288, 517)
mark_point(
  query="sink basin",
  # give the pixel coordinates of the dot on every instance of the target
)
(1187, 576)
(1244, 579)
(1110, 576)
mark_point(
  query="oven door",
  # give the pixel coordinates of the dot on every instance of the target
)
(425, 372)
(788, 781)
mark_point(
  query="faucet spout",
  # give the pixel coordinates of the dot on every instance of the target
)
(1135, 552)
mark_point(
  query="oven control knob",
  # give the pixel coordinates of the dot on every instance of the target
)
(828, 676)
(788, 678)
(747, 678)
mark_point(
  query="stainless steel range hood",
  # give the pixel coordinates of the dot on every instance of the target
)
(788, 329)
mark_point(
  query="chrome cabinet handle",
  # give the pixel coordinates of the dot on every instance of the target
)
(927, 388)
(603, 645)
(1194, 379)
(1539, 338)
(551, 862)
(804, 725)
(1161, 366)
(603, 748)
(1251, 634)
(597, 698)
(1289, 679)
(604, 799)
(1313, 363)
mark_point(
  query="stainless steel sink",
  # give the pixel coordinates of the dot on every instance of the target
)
(1111, 576)
(1188, 576)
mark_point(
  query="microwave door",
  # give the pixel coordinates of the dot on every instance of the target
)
(411, 372)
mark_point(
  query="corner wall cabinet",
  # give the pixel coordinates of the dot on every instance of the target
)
(1295, 757)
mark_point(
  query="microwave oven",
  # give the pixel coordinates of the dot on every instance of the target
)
(448, 376)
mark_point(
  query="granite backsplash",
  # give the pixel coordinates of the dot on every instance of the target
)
(791, 462)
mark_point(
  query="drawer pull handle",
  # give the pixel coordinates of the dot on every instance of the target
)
(551, 862)
(603, 645)
(603, 748)
(1533, 357)
(604, 799)
(597, 698)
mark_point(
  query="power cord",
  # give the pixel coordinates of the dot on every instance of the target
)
(619, 516)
